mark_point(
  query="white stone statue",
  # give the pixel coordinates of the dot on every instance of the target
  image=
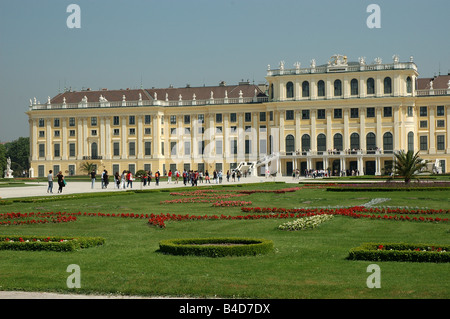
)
(431, 85)
(448, 85)
(31, 102)
(140, 97)
(48, 100)
(8, 172)
(212, 95)
(35, 100)
(268, 67)
(281, 65)
(226, 93)
(156, 96)
(64, 100)
(240, 93)
(180, 97)
(362, 61)
(124, 98)
(396, 58)
(378, 60)
(84, 99)
(167, 97)
(194, 97)
(297, 65)
(313, 63)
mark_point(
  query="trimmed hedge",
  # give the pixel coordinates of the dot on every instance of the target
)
(386, 189)
(401, 252)
(49, 243)
(216, 247)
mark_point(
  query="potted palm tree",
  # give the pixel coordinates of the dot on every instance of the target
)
(408, 165)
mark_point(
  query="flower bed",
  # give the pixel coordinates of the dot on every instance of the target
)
(49, 243)
(358, 212)
(305, 223)
(216, 247)
(231, 203)
(388, 187)
(35, 218)
(401, 252)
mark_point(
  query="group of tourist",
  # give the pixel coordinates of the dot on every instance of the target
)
(61, 181)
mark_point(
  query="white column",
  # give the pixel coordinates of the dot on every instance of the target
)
(447, 111)
(33, 138)
(254, 137)
(102, 137)
(124, 141)
(108, 137)
(432, 128)
(362, 130)
(346, 137)
(85, 138)
(48, 136)
(80, 138)
(313, 131)
(241, 137)
(396, 132)
(64, 145)
(140, 135)
(329, 131)
(379, 137)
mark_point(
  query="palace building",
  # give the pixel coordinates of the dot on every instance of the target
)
(343, 117)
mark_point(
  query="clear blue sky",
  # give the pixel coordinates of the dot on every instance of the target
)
(200, 42)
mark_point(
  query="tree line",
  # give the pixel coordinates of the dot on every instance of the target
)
(19, 153)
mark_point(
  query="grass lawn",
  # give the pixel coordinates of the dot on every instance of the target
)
(304, 264)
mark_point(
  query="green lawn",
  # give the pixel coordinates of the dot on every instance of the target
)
(304, 264)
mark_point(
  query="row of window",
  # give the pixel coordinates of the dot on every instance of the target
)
(337, 87)
(290, 145)
(355, 142)
(354, 113)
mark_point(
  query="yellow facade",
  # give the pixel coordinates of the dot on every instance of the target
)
(348, 118)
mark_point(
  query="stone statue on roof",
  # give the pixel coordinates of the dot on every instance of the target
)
(140, 97)
(313, 63)
(84, 99)
(431, 84)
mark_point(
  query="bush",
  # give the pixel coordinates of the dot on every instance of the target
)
(401, 252)
(305, 222)
(216, 247)
(49, 243)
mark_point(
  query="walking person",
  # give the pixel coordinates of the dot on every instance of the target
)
(105, 178)
(207, 178)
(169, 176)
(157, 178)
(123, 179)
(93, 178)
(60, 181)
(130, 179)
(117, 180)
(50, 182)
(177, 176)
(149, 177)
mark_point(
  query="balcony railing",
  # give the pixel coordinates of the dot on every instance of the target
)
(163, 103)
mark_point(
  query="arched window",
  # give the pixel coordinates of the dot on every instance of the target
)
(321, 88)
(306, 142)
(370, 86)
(271, 91)
(387, 85)
(354, 87)
(337, 142)
(371, 143)
(321, 142)
(354, 141)
(408, 85)
(290, 144)
(289, 90)
(94, 150)
(337, 88)
(305, 89)
(388, 142)
(411, 141)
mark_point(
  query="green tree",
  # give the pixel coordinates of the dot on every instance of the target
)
(408, 165)
(19, 152)
(2, 160)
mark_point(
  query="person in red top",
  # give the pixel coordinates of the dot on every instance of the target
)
(169, 176)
